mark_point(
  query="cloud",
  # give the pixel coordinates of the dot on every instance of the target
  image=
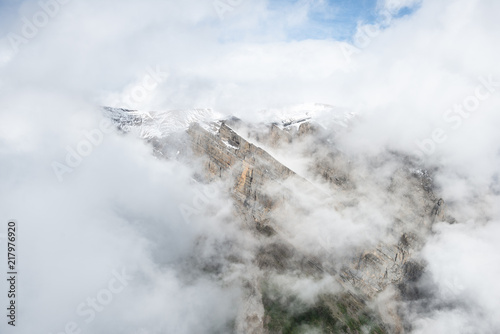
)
(401, 82)
(461, 261)
(395, 6)
(116, 211)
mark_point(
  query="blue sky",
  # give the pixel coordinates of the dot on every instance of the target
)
(334, 19)
(8, 15)
(341, 25)
(329, 19)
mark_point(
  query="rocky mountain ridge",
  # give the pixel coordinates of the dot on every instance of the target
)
(268, 195)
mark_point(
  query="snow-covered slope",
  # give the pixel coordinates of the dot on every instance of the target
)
(320, 113)
(159, 124)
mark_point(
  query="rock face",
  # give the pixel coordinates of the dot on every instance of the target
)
(372, 270)
(268, 195)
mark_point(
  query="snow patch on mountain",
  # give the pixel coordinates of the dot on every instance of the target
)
(323, 114)
(159, 124)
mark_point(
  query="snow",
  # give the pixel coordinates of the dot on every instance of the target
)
(159, 124)
(229, 145)
(293, 116)
(212, 127)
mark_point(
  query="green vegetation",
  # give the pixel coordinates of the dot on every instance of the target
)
(286, 314)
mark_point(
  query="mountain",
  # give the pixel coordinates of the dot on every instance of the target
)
(351, 227)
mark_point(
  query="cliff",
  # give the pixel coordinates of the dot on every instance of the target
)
(268, 195)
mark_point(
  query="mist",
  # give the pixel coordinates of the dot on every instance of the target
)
(425, 85)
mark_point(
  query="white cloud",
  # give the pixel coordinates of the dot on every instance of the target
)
(400, 84)
(395, 6)
(462, 262)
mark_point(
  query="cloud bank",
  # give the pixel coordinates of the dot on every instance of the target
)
(425, 84)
